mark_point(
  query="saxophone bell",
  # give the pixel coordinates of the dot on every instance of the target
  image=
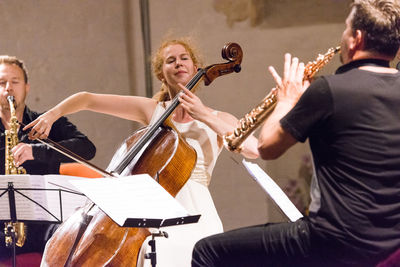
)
(15, 232)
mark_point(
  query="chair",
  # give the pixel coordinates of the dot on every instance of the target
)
(392, 261)
(77, 169)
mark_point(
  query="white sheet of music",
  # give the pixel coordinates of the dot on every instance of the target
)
(71, 201)
(273, 190)
(135, 196)
(26, 209)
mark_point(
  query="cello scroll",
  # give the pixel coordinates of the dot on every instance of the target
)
(232, 52)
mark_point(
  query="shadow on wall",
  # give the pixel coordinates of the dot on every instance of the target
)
(283, 13)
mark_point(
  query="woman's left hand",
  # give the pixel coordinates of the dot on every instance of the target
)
(192, 104)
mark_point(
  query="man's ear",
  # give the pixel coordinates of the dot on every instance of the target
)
(355, 43)
(359, 40)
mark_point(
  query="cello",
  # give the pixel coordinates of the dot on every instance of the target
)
(89, 237)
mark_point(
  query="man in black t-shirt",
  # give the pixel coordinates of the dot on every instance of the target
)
(352, 121)
(33, 156)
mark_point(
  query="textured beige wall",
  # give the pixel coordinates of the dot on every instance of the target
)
(96, 45)
(69, 46)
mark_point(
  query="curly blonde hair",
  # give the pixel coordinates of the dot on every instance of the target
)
(158, 61)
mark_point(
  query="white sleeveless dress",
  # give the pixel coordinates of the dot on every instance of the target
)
(176, 250)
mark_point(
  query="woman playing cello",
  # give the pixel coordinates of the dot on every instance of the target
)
(174, 64)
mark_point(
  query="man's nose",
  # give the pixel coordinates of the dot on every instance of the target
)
(8, 86)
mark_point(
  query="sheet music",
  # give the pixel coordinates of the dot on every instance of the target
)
(71, 201)
(27, 209)
(131, 197)
(273, 190)
(24, 208)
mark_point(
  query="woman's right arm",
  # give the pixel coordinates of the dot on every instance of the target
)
(133, 108)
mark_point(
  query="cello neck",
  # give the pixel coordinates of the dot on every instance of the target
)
(175, 102)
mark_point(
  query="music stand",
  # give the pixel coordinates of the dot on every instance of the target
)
(157, 223)
(285, 206)
(26, 195)
(154, 207)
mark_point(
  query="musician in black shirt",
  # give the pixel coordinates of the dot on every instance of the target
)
(352, 121)
(33, 156)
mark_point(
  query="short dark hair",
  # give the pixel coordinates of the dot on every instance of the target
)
(15, 61)
(380, 21)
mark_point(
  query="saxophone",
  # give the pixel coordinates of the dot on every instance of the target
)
(11, 135)
(261, 112)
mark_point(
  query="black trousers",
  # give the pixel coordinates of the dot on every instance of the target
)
(280, 244)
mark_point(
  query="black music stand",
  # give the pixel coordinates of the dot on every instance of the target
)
(23, 195)
(157, 223)
(157, 207)
(152, 256)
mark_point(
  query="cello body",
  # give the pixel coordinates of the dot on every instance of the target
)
(90, 238)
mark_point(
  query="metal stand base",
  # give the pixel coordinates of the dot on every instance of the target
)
(10, 232)
(152, 255)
